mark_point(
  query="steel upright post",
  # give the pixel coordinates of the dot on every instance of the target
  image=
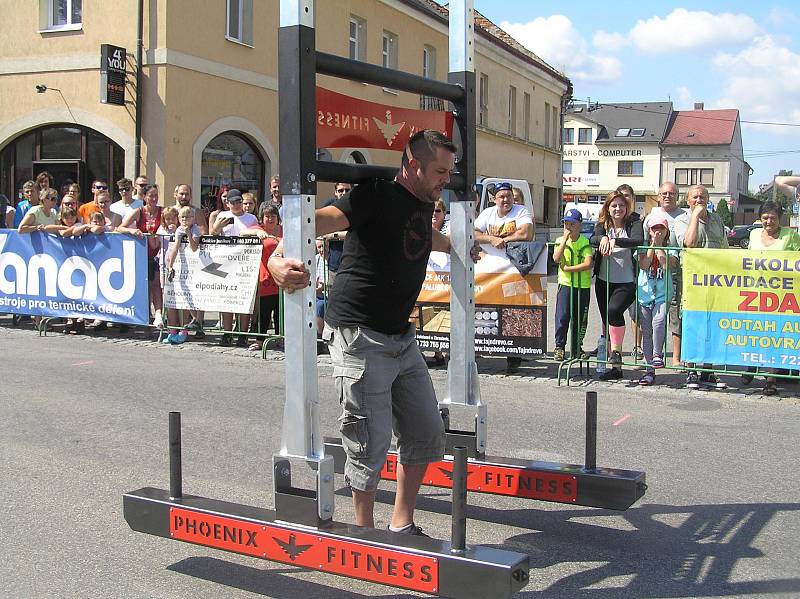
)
(463, 388)
(301, 435)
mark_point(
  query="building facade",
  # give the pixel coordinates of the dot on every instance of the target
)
(209, 101)
(606, 146)
(705, 147)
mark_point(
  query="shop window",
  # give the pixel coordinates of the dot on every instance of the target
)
(240, 21)
(61, 142)
(230, 161)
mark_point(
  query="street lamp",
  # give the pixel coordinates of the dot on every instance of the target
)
(41, 88)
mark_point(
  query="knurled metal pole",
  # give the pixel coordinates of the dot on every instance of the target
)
(590, 462)
(458, 542)
(175, 469)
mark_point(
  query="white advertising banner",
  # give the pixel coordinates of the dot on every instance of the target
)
(221, 276)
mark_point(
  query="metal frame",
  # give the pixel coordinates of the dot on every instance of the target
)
(301, 530)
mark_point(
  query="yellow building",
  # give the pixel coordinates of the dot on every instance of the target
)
(209, 102)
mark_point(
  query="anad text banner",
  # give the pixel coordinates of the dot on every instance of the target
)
(510, 309)
(347, 122)
(221, 276)
(741, 308)
(94, 276)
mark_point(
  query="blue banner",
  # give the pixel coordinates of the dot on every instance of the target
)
(95, 276)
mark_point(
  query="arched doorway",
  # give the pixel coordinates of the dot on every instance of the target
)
(230, 160)
(71, 153)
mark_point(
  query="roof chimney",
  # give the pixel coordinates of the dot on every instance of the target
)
(699, 105)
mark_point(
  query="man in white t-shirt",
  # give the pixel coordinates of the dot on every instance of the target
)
(231, 223)
(501, 224)
(127, 204)
(505, 221)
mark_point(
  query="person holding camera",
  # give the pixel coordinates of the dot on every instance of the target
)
(232, 223)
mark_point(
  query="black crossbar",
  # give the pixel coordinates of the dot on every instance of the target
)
(345, 172)
(356, 70)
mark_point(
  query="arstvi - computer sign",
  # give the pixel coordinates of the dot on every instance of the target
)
(112, 74)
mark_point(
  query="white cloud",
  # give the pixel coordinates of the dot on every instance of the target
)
(557, 41)
(763, 82)
(610, 42)
(684, 30)
(685, 99)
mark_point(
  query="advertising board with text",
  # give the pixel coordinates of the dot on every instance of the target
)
(221, 276)
(741, 307)
(510, 309)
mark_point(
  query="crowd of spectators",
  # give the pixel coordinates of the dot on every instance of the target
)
(637, 270)
(634, 261)
(138, 211)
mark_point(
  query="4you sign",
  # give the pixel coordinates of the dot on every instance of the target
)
(112, 74)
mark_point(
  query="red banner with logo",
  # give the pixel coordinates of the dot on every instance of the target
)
(347, 122)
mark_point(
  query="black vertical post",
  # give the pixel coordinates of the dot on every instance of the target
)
(590, 462)
(175, 470)
(459, 515)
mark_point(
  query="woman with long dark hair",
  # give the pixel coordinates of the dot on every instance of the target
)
(617, 234)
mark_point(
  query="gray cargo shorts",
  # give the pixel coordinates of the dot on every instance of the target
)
(384, 386)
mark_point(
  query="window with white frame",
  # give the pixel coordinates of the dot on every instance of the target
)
(389, 50)
(239, 21)
(694, 176)
(526, 116)
(429, 62)
(483, 100)
(358, 38)
(585, 135)
(556, 122)
(547, 124)
(512, 110)
(567, 136)
(60, 14)
(630, 168)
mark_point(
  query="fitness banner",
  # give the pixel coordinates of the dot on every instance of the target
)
(347, 122)
(741, 307)
(94, 276)
(510, 310)
(221, 276)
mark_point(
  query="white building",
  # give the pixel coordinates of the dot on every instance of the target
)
(611, 144)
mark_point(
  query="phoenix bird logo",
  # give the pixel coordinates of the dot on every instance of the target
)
(389, 129)
(292, 549)
(449, 473)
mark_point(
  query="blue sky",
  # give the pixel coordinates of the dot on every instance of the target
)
(734, 54)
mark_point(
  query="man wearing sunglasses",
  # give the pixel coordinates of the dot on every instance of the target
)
(126, 204)
(335, 240)
(140, 186)
(85, 211)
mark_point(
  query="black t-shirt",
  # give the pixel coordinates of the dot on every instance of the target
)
(384, 260)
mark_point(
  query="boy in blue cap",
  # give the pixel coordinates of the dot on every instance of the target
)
(573, 254)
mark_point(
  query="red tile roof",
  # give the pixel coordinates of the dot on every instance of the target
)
(701, 127)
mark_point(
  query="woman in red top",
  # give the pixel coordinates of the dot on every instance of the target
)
(147, 219)
(270, 233)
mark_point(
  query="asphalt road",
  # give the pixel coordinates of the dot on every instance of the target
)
(84, 419)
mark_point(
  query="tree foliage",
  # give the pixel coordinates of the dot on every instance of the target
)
(724, 212)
